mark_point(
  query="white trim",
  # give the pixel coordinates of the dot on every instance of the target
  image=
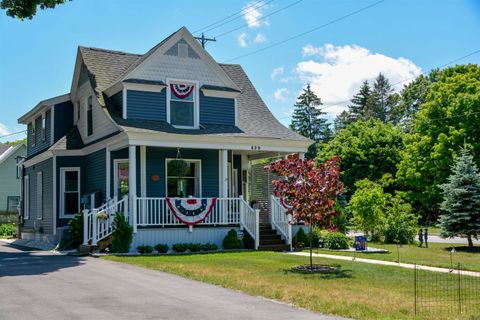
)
(39, 195)
(62, 190)
(124, 103)
(199, 161)
(43, 106)
(220, 93)
(143, 171)
(196, 102)
(116, 162)
(120, 86)
(52, 124)
(54, 206)
(10, 151)
(235, 105)
(219, 173)
(132, 185)
(224, 173)
(26, 197)
(43, 133)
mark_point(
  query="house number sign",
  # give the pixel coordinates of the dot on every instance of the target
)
(255, 147)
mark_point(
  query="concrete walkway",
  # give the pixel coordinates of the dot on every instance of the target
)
(43, 285)
(385, 263)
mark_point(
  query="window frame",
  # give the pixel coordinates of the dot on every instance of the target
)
(196, 102)
(26, 197)
(39, 195)
(63, 170)
(199, 161)
(89, 120)
(43, 127)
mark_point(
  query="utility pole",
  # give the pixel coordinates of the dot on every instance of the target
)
(204, 40)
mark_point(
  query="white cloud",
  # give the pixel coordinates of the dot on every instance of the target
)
(252, 13)
(341, 70)
(277, 72)
(260, 38)
(280, 94)
(242, 39)
(3, 129)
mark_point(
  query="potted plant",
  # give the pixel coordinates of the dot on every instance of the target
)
(102, 216)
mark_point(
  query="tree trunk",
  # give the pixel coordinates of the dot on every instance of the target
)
(470, 241)
(311, 249)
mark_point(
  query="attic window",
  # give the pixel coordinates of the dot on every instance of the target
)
(182, 107)
(183, 50)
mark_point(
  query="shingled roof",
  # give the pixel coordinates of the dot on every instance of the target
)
(105, 67)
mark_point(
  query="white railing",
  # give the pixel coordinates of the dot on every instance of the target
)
(280, 219)
(95, 228)
(155, 212)
(250, 221)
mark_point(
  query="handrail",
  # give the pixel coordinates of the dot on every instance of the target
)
(250, 221)
(280, 219)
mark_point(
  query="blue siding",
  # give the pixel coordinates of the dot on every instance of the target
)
(147, 105)
(63, 162)
(217, 110)
(63, 118)
(156, 166)
(46, 223)
(40, 145)
(237, 164)
(117, 101)
(94, 173)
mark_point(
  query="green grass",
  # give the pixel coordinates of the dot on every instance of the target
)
(436, 255)
(360, 291)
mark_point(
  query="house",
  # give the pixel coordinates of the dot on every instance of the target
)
(166, 137)
(10, 188)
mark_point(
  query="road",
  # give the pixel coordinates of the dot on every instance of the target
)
(43, 285)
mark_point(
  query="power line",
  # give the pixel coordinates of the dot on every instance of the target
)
(306, 32)
(12, 134)
(240, 13)
(259, 19)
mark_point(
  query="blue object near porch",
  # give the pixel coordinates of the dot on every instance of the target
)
(360, 243)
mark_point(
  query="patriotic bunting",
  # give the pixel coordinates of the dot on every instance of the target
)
(191, 211)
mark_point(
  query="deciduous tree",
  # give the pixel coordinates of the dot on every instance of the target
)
(26, 9)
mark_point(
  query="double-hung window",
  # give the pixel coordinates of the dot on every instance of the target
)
(43, 128)
(182, 104)
(183, 180)
(34, 132)
(70, 191)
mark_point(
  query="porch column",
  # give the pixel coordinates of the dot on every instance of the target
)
(224, 173)
(132, 185)
(143, 171)
(107, 172)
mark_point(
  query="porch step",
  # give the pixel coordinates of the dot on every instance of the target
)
(270, 240)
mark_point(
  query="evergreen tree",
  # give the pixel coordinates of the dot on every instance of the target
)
(461, 200)
(381, 100)
(342, 121)
(307, 120)
(359, 102)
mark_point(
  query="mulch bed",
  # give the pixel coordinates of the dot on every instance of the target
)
(316, 268)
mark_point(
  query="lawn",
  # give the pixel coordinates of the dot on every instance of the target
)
(360, 291)
(437, 255)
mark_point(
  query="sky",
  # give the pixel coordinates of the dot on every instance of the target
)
(281, 44)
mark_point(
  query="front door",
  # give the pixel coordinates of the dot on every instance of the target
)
(120, 178)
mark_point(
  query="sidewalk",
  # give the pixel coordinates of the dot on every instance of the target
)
(385, 263)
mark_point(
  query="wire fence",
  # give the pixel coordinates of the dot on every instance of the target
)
(453, 295)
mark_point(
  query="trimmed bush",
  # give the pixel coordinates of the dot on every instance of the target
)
(122, 234)
(7, 230)
(144, 249)
(336, 240)
(74, 238)
(231, 241)
(179, 247)
(209, 247)
(194, 247)
(161, 248)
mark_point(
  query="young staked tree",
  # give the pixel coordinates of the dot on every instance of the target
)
(310, 190)
(359, 102)
(307, 120)
(461, 200)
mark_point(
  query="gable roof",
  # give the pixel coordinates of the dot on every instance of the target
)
(3, 148)
(7, 151)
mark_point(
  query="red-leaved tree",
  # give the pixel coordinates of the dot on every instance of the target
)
(309, 189)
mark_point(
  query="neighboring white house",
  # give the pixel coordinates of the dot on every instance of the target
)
(9, 179)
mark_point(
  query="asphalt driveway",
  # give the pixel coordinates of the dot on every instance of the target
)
(42, 285)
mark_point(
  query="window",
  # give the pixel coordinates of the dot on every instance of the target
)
(70, 191)
(39, 195)
(182, 110)
(26, 197)
(183, 178)
(90, 117)
(12, 203)
(34, 132)
(43, 128)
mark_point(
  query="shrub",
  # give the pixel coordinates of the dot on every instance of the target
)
(336, 240)
(161, 248)
(209, 247)
(300, 239)
(231, 240)
(144, 249)
(74, 238)
(194, 247)
(400, 224)
(7, 230)
(179, 247)
(122, 234)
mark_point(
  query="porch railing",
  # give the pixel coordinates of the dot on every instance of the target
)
(95, 228)
(280, 220)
